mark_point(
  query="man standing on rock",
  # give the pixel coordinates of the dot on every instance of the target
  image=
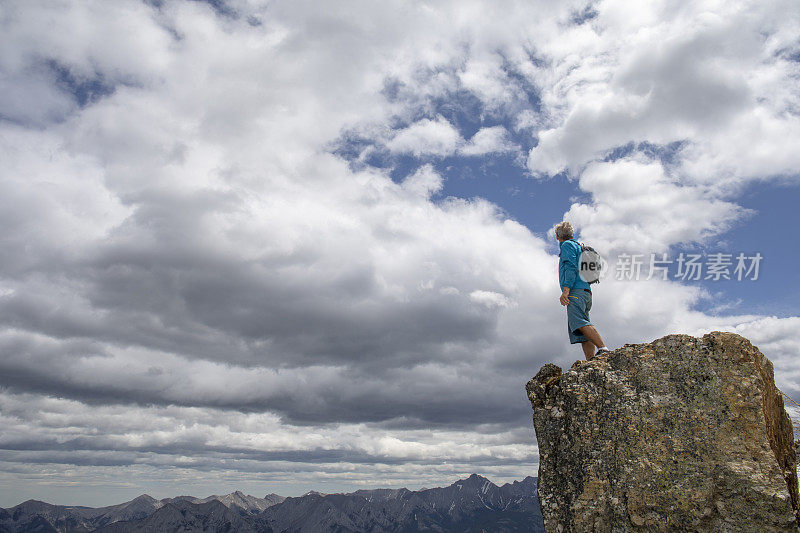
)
(576, 294)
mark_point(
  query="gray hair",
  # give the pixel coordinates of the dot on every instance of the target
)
(564, 231)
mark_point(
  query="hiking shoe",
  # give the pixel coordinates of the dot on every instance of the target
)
(601, 351)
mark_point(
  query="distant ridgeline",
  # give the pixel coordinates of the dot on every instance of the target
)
(682, 434)
(470, 505)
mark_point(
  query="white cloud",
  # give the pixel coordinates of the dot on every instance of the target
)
(483, 75)
(489, 298)
(710, 87)
(488, 141)
(439, 138)
(637, 207)
(427, 137)
(38, 47)
(716, 77)
(424, 182)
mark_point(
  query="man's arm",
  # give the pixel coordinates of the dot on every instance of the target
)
(569, 270)
(564, 298)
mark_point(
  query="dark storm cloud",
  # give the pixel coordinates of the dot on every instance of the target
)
(156, 285)
(73, 452)
(79, 451)
(157, 282)
(78, 369)
(167, 280)
(39, 430)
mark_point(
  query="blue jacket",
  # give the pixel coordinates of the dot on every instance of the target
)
(568, 263)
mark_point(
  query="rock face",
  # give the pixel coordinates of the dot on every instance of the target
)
(683, 433)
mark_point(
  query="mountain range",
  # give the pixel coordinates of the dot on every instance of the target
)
(469, 505)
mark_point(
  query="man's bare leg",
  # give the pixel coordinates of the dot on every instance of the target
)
(594, 337)
(588, 349)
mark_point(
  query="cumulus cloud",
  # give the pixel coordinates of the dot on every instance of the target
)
(698, 102)
(636, 206)
(439, 138)
(427, 137)
(425, 181)
(488, 141)
(706, 76)
(489, 298)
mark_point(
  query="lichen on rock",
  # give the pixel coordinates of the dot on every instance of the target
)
(683, 433)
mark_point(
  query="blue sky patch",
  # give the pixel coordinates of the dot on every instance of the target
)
(85, 90)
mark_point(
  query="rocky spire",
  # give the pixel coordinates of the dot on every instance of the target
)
(683, 433)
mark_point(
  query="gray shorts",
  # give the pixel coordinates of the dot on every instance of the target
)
(580, 302)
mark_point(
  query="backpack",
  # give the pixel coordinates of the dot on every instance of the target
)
(591, 264)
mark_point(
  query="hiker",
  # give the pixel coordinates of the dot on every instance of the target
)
(576, 294)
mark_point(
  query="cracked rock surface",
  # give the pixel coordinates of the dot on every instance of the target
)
(683, 433)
